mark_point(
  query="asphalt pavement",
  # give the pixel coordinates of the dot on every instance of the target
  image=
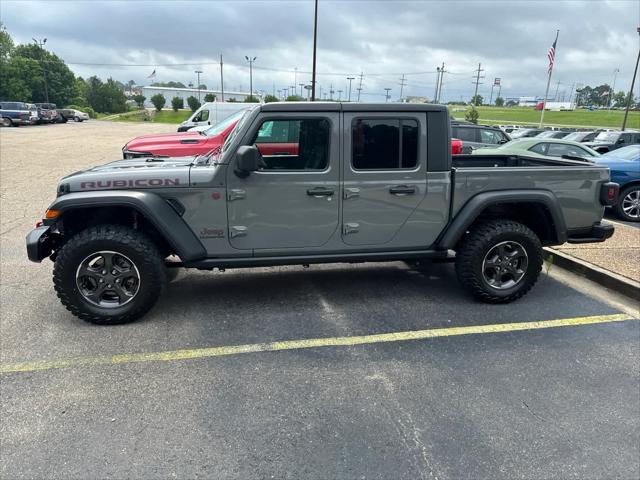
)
(172, 396)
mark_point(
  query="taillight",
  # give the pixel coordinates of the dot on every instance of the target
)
(609, 193)
(456, 146)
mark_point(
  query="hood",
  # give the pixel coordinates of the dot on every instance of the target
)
(160, 139)
(137, 173)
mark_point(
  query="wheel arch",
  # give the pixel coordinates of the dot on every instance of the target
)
(537, 209)
(142, 210)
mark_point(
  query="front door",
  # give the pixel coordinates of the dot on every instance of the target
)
(384, 179)
(292, 201)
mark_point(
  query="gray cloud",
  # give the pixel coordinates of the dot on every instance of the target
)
(383, 39)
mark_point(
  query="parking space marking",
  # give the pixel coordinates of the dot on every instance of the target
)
(186, 354)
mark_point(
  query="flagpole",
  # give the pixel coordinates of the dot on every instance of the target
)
(546, 92)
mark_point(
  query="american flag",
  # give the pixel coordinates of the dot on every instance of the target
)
(552, 54)
(153, 74)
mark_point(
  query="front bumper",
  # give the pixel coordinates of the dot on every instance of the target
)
(598, 232)
(39, 243)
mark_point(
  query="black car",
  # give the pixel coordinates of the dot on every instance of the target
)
(587, 136)
(527, 132)
(608, 141)
(477, 136)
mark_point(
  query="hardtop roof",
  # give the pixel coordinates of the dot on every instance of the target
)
(350, 107)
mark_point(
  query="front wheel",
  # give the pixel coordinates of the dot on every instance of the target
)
(109, 274)
(499, 261)
(6, 122)
(628, 206)
(76, 119)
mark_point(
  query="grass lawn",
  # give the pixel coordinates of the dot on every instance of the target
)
(577, 118)
(163, 116)
(169, 116)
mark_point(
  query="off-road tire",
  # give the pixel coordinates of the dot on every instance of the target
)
(618, 206)
(476, 245)
(126, 241)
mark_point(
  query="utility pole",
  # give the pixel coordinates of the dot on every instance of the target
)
(402, 84)
(442, 72)
(331, 91)
(221, 80)
(250, 60)
(360, 86)
(630, 98)
(315, 41)
(555, 96)
(301, 87)
(44, 70)
(339, 94)
(198, 72)
(477, 82)
(350, 80)
(573, 85)
(612, 90)
(387, 96)
(435, 95)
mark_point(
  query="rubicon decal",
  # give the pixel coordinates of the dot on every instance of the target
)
(140, 182)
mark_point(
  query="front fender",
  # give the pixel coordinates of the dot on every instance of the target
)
(151, 206)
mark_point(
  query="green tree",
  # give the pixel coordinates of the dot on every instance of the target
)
(232, 100)
(294, 98)
(202, 86)
(158, 101)
(177, 103)
(499, 102)
(193, 103)
(139, 99)
(19, 78)
(169, 84)
(619, 99)
(476, 100)
(472, 115)
(210, 97)
(251, 99)
(6, 43)
(270, 98)
(60, 80)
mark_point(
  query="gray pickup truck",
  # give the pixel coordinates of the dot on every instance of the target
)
(303, 183)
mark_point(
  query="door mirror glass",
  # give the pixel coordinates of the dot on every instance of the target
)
(248, 160)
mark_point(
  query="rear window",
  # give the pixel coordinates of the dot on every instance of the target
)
(384, 143)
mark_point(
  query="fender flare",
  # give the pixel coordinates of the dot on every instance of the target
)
(477, 204)
(151, 206)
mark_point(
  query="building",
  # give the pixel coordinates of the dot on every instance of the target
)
(184, 93)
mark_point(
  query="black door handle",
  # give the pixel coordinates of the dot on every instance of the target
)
(320, 192)
(402, 190)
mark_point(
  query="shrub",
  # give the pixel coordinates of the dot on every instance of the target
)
(210, 97)
(158, 101)
(193, 103)
(232, 100)
(139, 99)
(294, 98)
(270, 98)
(472, 115)
(177, 103)
(251, 99)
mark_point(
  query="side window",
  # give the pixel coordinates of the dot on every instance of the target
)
(540, 148)
(384, 143)
(490, 136)
(624, 138)
(203, 116)
(465, 134)
(294, 144)
(558, 150)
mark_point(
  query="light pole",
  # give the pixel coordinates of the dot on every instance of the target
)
(350, 80)
(250, 60)
(315, 41)
(387, 96)
(612, 90)
(44, 70)
(198, 72)
(301, 87)
(339, 94)
(633, 82)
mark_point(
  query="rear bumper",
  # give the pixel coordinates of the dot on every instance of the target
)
(39, 244)
(598, 232)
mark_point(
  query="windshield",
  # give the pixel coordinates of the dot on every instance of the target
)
(223, 124)
(607, 137)
(236, 129)
(576, 136)
(632, 152)
(520, 133)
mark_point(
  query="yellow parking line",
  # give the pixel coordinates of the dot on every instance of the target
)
(305, 343)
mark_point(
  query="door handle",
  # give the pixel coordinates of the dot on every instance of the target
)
(281, 153)
(402, 190)
(320, 192)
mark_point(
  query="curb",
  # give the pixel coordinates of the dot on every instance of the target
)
(606, 278)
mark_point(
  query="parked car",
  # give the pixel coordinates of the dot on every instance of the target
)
(66, 114)
(624, 164)
(542, 147)
(477, 136)
(181, 144)
(581, 137)
(47, 112)
(79, 116)
(14, 114)
(345, 182)
(211, 113)
(553, 134)
(526, 132)
(608, 141)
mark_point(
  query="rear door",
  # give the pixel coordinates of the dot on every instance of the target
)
(384, 179)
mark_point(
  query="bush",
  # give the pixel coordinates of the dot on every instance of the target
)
(232, 100)
(88, 110)
(158, 101)
(139, 99)
(270, 98)
(499, 102)
(294, 98)
(193, 103)
(177, 103)
(472, 115)
(210, 97)
(251, 99)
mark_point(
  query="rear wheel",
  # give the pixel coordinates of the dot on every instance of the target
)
(499, 261)
(628, 206)
(76, 119)
(109, 274)
(6, 122)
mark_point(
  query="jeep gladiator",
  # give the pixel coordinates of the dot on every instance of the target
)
(303, 183)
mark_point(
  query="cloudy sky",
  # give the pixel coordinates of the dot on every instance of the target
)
(382, 39)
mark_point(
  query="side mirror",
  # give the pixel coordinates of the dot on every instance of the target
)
(248, 159)
(502, 141)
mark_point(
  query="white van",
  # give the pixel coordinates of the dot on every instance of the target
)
(211, 113)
